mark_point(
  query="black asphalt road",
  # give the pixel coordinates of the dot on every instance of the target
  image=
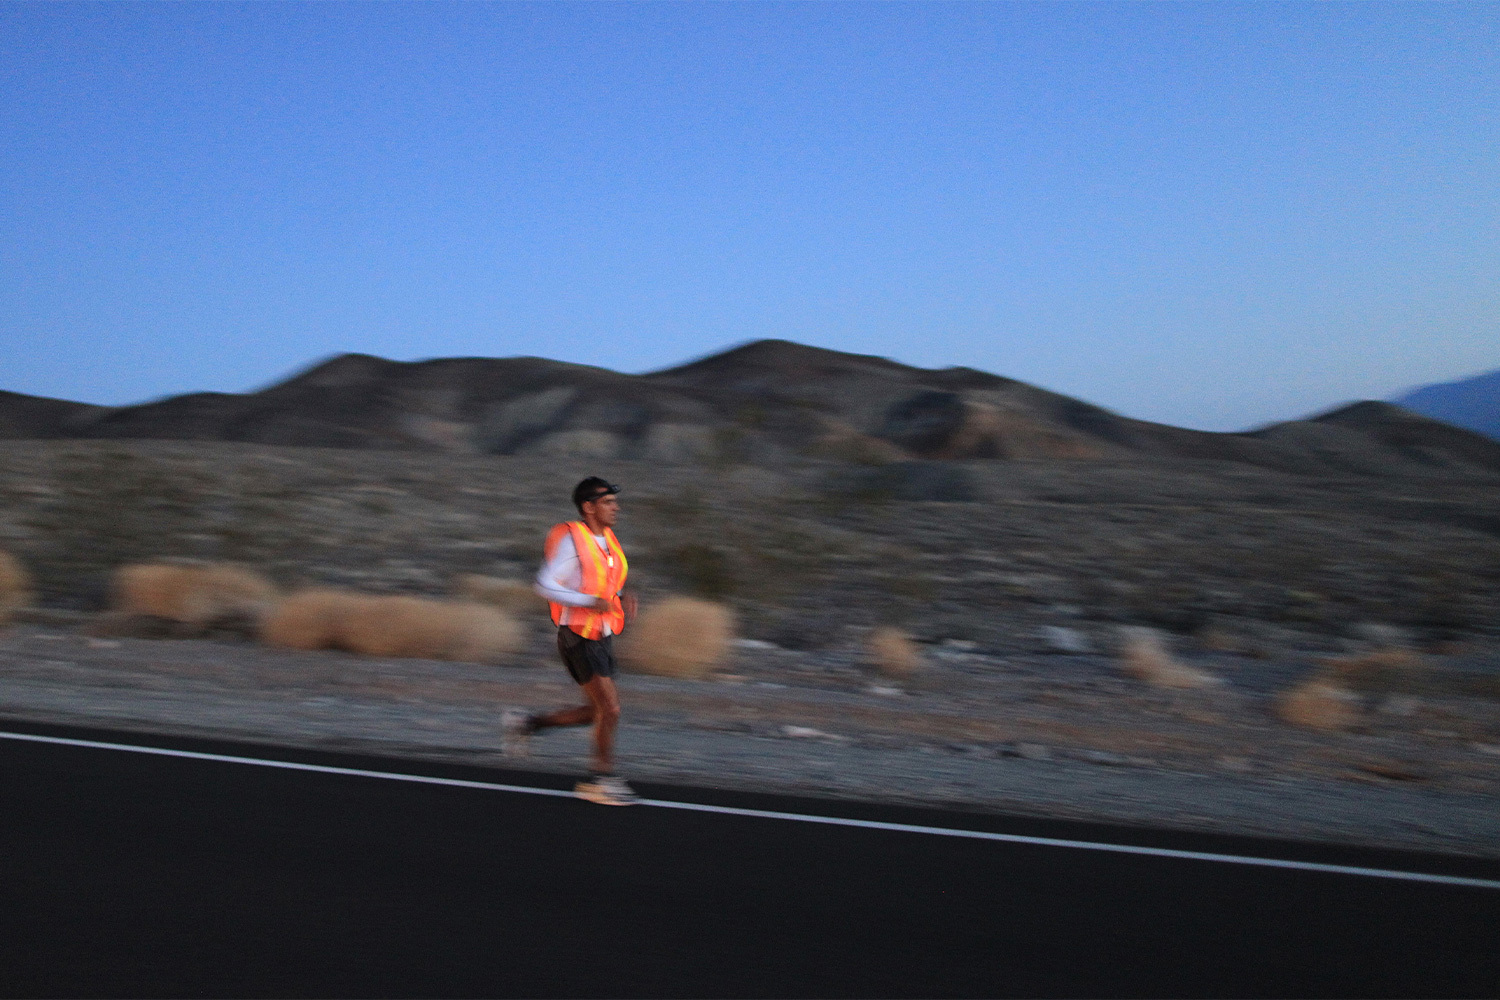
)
(127, 874)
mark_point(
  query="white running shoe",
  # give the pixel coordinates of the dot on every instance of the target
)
(606, 790)
(516, 729)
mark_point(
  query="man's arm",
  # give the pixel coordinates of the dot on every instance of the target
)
(553, 579)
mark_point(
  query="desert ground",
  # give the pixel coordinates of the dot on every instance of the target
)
(1158, 641)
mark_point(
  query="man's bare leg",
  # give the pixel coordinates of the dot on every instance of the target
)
(583, 715)
(605, 708)
(602, 711)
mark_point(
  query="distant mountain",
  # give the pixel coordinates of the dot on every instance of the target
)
(1472, 403)
(766, 401)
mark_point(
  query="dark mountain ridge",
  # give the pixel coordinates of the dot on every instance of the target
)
(765, 401)
(23, 416)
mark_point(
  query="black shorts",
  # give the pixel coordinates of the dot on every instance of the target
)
(586, 658)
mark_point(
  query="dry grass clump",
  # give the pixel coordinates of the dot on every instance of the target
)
(892, 652)
(421, 628)
(483, 634)
(1319, 703)
(15, 586)
(309, 619)
(1331, 698)
(679, 637)
(1221, 640)
(393, 626)
(514, 596)
(1144, 656)
(1390, 668)
(1328, 700)
(196, 597)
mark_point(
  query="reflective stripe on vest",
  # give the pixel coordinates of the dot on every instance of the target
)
(598, 578)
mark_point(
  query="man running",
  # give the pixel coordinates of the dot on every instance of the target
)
(582, 579)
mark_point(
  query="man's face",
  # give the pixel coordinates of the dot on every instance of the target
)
(605, 510)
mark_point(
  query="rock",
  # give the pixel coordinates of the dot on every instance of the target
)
(1380, 634)
(808, 733)
(1104, 757)
(1395, 770)
(1065, 640)
(1402, 706)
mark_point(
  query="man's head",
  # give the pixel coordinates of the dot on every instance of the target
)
(595, 500)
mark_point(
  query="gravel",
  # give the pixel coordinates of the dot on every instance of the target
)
(1148, 759)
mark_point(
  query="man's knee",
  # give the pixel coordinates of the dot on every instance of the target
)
(606, 702)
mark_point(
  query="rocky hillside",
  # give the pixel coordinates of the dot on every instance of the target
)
(24, 416)
(767, 402)
(988, 552)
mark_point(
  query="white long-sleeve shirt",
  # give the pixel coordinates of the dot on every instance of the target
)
(560, 577)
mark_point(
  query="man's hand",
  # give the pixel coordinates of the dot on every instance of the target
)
(628, 600)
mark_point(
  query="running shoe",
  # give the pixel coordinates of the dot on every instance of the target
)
(517, 728)
(606, 790)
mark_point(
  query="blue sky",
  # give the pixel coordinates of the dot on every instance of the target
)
(1211, 215)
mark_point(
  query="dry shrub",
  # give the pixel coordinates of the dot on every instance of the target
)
(396, 626)
(15, 586)
(1217, 639)
(393, 626)
(1144, 656)
(196, 596)
(679, 637)
(513, 596)
(1401, 670)
(309, 619)
(1319, 703)
(892, 652)
(483, 634)
(1222, 640)
(426, 629)
(1375, 666)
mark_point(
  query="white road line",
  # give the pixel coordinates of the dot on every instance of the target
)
(864, 824)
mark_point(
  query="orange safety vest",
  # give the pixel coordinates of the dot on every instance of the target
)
(603, 576)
